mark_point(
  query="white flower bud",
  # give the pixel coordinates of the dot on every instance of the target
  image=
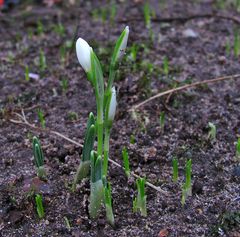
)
(112, 105)
(123, 44)
(84, 54)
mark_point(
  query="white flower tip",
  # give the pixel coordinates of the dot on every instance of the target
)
(84, 54)
(112, 105)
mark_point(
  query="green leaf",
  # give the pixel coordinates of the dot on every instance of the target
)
(97, 76)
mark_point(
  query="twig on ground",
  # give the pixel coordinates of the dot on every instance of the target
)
(23, 121)
(171, 91)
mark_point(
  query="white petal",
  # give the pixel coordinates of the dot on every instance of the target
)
(113, 105)
(84, 54)
(124, 43)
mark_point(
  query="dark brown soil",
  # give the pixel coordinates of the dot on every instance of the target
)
(214, 206)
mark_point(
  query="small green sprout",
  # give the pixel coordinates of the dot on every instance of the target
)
(42, 61)
(228, 47)
(135, 209)
(73, 116)
(40, 29)
(113, 12)
(184, 194)
(175, 170)
(141, 196)
(41, 118)
(188, 181)
(236, 44)
(38, 158)
(108, 204)
(165, 66)
(67, 223)
(62, 52)
(147, 15)
(27, 78)
(126, 161)
(237, 4)
(88, 144)
(238, 149)
(96, 185)
(64, 85)
(40, 210)
(212, 132)
(162, 120)
(59, 29)
(132, 139)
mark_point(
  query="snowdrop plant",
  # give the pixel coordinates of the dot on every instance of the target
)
(106, 108)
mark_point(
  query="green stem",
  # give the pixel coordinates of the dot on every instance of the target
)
(99, 125)
(112, 73)
(106, 151)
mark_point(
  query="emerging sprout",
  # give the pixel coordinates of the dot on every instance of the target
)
(141, 201)
(175, 170)
(84, 54)
(38, 158)
(27, 78)
(184, 194)
(97, 189)
(126, 161)
(41, 118)
(108, 204)
(84, 166)
(162, 120)
(212, 132)
(188, 177)
(40, 210)
(238, 149)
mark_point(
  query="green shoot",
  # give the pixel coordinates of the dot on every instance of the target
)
(237, 4)
(126, 161)
(38, 158)
(42, 61)
(67, 223)
(40, 210)
(238, 149)
(212, 132)
(132, 139)
(108, 204)
(133, 52)
(228, 48)
(184, 194)
(64, 85)
(41, 118)
(162, 120)
(175, 170)
(73, 116)
(135, 205)
(62, 52)
(141, 196)
(39, 28)
(236, 46)
(27, 78)
(96, 185)
(59, 29)
(147, 15)
(165, 66)
(188, 177)
(83, 169)
(113, 12)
